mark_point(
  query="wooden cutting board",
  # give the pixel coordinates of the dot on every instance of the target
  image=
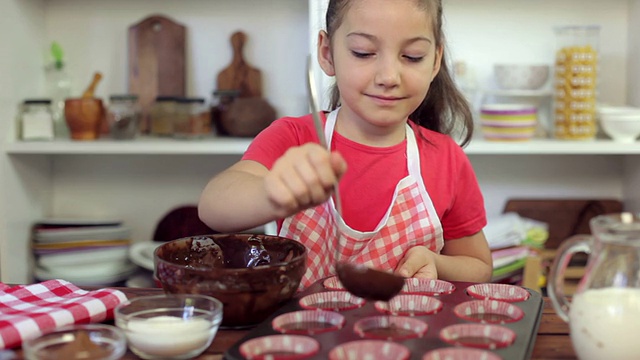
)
(239, 75)
(156, 59)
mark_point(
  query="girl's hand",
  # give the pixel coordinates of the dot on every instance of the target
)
(303, 177)
(418, 262)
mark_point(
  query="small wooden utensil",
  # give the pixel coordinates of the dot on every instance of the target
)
(239, 75)
(89, 92)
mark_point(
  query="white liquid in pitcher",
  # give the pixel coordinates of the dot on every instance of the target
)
(605, 324)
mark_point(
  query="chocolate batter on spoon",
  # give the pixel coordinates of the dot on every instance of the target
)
(368, 283)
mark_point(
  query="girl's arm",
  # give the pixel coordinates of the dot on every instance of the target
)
(235, 199)
(248, 194)
(464, 259)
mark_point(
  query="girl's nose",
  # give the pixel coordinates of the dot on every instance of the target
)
(388, 73)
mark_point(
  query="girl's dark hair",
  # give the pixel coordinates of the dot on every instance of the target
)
(444, 106)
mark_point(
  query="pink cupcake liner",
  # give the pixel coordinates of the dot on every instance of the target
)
(410, 305)
(427, 287)
(488, 311)
(331, 300)
(280, 347)
(390, 327)
(308, 322)
(370, 349)
(456, 353)
(478, 336)
(504, 292)
(333, 283)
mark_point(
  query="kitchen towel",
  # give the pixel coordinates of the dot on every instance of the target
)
(28, 311)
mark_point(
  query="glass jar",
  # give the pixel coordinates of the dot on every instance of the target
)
(162, 116)
(575, 83)
(220, 103)
(123, 116)
(36, 120)
(193, 119)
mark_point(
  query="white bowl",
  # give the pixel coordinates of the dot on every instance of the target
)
(622, 124)
(520, 77)
(169, 326)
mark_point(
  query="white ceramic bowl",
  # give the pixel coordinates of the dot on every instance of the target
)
(169, 326)
(520, 77)
(622, 124)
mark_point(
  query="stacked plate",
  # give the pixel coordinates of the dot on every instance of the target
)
(82, 251)
(508, 122)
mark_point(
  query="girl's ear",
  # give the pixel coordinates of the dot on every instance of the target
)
(438, 62)
(325, 58)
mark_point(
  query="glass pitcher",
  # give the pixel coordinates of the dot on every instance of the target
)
(604, 313)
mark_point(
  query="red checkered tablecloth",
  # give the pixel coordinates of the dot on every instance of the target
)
(28, 311)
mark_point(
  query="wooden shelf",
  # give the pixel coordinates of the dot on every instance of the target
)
(237, 146)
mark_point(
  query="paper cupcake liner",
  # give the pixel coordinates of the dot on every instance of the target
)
(460, 354)
(370, 349)
(331, 301)
(279, 347)
(427, 287)
(503, 292)
(478, 335)
(333, 283)
(410, 305)
(390, 327)
(489, 311)
(308, 322)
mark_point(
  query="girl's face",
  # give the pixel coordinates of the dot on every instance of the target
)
(384, 58)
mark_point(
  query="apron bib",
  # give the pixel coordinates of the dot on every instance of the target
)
(410, 220)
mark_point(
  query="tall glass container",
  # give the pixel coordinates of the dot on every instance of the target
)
(576, 76)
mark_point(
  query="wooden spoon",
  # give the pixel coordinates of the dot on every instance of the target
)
(359, 280)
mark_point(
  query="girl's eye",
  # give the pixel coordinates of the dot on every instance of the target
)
(414, 59)
(361, 55)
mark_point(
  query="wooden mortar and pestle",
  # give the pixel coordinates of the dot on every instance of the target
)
(84, 115)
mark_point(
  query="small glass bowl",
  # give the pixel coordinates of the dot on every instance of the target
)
(169, 326)
(90, 341)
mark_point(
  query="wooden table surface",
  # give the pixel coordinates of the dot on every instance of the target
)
(552, 342)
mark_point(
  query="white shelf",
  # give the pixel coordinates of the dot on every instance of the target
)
(139, 146)
(552, 147)
(237, 146)
(519, 93)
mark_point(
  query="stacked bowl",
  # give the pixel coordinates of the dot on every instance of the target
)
(508, 122)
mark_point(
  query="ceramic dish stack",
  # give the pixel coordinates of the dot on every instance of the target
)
(82, 251)
(508, 122)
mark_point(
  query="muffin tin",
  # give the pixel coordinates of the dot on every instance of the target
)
(430, 318)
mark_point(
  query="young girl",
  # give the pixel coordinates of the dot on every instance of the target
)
(410, 199)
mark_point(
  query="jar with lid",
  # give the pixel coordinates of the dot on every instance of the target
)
(123, 116)
(162, 115)
(576, 77)
(193, 119)
(36, 120)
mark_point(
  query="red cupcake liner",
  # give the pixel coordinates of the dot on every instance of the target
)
(431, 287)
(488, 311)
(460, 353)
(478, 336)
(390, 327)
(503, 292)
(308, 322)
(370, 349)
(279, 347)
(410, 305)
(331, 301)
(333, 283)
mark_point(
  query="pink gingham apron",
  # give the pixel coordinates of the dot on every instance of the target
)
(411, 220)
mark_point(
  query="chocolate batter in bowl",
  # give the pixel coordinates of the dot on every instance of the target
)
(252, 275)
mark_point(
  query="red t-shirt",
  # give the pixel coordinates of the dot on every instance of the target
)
(367, 187)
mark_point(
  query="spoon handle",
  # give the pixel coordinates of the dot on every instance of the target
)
(315, 113)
